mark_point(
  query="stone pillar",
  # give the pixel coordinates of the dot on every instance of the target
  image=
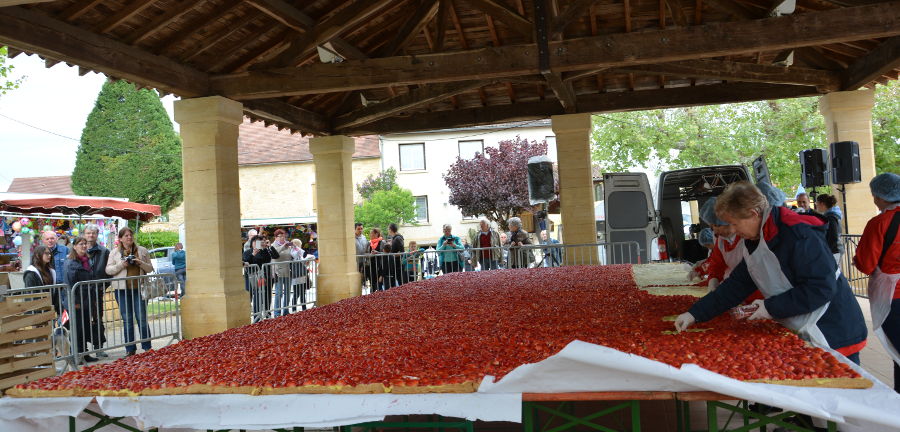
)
(338, 277)
(576, 190)
(848, 117)
(216, 298)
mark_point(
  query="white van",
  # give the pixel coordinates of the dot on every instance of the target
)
(632, 215)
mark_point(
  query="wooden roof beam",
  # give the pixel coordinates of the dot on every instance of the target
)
(171, 14)
(733, 8)
(752, 72)
(506, 15)
(604, 102)
(880, 61)
(199, 24)
(194, 50)
(33, 31)
(325, 31)
(415, 98)
(424, 13)
(284, 13)
(289, 115)
(617, 50)
(575, 10)
(123, 15)
(77, 9)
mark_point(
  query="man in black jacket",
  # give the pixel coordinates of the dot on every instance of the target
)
(397, 247)
(98, 256)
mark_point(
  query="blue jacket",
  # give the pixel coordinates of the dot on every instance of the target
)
(59, 262)
(809, 266)
(178, 259)
(449, 253)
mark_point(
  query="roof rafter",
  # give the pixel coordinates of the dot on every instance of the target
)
(504, 14)
(728, 70)
(289, 115)
(284, 13)
(605, 102)
(161, 21)
(568, 16)
(199, 24)
(884, 58)
(123, 15)
(617, 50)
(424, 13)
(28, 30)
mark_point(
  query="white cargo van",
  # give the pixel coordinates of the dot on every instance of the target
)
(632, 214)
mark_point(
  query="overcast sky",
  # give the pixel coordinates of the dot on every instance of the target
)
(56, 100)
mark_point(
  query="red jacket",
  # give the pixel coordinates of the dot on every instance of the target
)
(870, 245)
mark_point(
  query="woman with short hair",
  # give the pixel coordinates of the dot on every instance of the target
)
(786, 258)
(129, 260)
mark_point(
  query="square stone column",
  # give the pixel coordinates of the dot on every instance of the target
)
(338, 277)
(576, 189)
(848, 117)
(216, 299)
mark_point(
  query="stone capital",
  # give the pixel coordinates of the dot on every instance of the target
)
(331, 145)
(209, 109)
(856, 100)
(570, 123)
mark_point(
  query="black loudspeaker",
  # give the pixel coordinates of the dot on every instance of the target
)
(540, 180)
(761, 170)
(844, 162)
(813, 168)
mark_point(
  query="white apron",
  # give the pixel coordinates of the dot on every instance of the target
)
(733, 257)
(766, 273)
(881, 292)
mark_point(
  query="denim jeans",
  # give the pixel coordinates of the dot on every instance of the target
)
(133, 308)
(488, 264)
(181, 275)
(282, 287)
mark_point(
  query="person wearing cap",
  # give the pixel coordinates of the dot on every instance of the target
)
(878, 255)
(786, 258)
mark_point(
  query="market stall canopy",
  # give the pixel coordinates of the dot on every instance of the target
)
(83, 207)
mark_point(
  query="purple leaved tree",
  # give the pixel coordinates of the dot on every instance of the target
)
(494, 183)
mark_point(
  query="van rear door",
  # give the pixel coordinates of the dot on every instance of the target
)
(630, 216)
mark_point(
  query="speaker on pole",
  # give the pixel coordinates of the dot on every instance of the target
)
(540, 180)
(812, 168)
(844, 162)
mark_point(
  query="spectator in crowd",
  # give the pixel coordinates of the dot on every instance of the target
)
(312, 246)
(78, 269)
(552, 255)
(41, 272)
(787, 260)
(467, 256)
(504, 251)
(486, 252)
(281, 271)
(878, 255)
(362, 244)
(179, 262)
(126, 260)
(99, 257)
(259, 254)
(396, 262)
(373, 268)
(449, 248)
(63, 240)
(412, 260)
(299, 275)
(827, 205)
(518, 257)
(250, 234)
(803, 203)
(48, 238)
(387, 271)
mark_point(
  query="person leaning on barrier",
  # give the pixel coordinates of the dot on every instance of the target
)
(129, 260)
(785, 258)
(99, 257)
(78, 269)
(281, 258)
(518, 257)
(259, 254)
(552, 255)
(486, 246)
(397, 246)
(450, 249)
(878, 255)
(504, 252)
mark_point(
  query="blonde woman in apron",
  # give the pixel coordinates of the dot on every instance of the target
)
(786, 258)
(878, 255)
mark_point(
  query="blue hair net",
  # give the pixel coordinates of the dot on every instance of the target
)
(708, 213)
(886, 186)
(706, 237)
(774, 196)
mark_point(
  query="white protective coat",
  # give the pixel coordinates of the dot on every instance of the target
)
(881, 293)
(733, 257)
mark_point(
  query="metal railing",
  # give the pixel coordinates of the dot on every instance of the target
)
(280, 288)
(859, 281)
(64, 357)
(381, 271)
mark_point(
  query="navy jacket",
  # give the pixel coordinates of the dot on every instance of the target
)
(60, 253)
(75, 273)
(808, 264)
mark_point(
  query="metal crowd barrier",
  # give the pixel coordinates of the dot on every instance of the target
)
(63, 355)
(381, 271)
(281, 288)
(859, 281)
(104, 314)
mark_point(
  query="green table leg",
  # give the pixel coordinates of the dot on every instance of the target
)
(528, 416)
(712, 420)
(635, 416)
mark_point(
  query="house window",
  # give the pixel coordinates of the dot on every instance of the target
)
(412, 157)
(422, 208)
(468, 149)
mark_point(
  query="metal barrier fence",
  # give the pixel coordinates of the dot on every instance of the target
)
(280, 288)
(383, 271)
(64, 357)
(859, 281)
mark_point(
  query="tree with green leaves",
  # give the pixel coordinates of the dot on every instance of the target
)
(735, 134)
(129, 149)
(7, 83)
(384, 202)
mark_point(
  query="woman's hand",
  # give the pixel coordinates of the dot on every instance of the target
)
(761, 312)
(684, 321)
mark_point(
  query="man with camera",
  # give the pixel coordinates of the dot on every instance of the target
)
(450, 247)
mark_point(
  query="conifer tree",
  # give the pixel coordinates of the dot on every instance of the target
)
(129, 149)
